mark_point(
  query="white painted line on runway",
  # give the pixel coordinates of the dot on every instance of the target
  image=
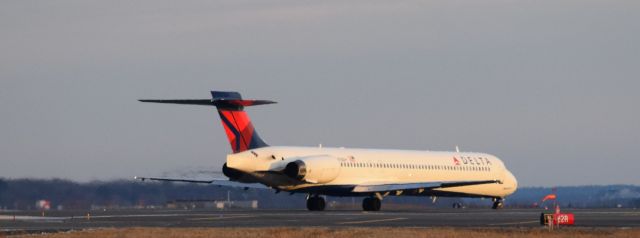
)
(514, 223)
(218, 218)
(372, 221)
(154, 215)
(31, 218)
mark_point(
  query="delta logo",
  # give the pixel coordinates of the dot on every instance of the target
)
(479, 161)
(456, 161)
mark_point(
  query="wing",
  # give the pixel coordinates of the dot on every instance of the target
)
(387, 187)
(218, 182)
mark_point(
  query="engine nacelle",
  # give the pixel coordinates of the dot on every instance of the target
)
(316, 169)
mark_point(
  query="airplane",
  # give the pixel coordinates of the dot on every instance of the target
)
(370, 173)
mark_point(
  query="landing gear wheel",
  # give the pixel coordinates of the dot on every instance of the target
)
(315, 203)
(371, 204)
(497, 203)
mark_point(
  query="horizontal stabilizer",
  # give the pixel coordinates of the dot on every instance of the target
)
(209, 102)
(204, 102)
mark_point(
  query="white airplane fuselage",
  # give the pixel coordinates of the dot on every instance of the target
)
(372, 173)
(337, 167)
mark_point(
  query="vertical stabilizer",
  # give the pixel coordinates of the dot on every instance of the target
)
(237, 124)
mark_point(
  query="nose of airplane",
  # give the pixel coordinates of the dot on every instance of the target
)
(511, 183)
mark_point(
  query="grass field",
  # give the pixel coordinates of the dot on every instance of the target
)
(377, 232)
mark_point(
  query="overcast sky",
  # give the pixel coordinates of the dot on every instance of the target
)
(550, 87)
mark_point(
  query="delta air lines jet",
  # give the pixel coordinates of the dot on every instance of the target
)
(369, 173)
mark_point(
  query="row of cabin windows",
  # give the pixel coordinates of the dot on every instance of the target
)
(414, 166)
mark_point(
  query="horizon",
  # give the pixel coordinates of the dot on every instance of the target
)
(213, 185)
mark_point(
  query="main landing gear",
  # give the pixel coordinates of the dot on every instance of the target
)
(371, 204)
(498, 203)
(315, 203)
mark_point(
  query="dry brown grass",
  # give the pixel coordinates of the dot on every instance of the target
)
(378, 232)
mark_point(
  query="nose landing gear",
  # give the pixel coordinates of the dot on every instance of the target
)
(371, 204)
(498, 203)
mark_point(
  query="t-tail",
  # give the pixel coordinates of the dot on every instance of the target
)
(237, 124)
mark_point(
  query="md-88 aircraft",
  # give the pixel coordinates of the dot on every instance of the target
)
(369, 173)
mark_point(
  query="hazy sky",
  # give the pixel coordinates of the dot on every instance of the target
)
(550, 87)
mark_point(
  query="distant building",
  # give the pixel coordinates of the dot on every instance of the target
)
(43, 205)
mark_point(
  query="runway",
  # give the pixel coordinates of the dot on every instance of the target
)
(485, 218)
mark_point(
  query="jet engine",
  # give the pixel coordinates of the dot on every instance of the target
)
(316, 169)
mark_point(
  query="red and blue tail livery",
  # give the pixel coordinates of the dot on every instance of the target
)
(237, 124)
